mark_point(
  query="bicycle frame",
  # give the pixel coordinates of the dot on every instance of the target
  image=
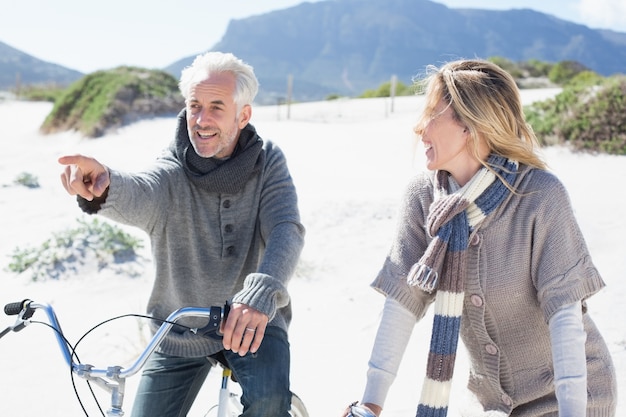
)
(113, 378)
(225, 396)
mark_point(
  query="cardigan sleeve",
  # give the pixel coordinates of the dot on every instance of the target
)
(410, 241)
(562, 269)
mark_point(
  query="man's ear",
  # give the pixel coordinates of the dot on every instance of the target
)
(245, 115)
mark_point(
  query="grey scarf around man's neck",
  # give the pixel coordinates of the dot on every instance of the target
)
(220, 176)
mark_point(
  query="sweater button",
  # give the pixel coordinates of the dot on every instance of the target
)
(507, 400)
(491, 349)
(228, 228)
(476, 300)
(230, 250)
(475, 240)
(226, 204)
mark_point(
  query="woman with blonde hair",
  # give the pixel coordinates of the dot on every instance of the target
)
(489, 237)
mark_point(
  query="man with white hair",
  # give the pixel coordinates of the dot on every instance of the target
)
(221, 211)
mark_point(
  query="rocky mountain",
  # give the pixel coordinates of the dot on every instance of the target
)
(347, 46)
(19, 68)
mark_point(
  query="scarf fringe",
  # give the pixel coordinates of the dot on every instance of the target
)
(424, 277)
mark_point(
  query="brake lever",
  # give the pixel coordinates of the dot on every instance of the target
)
(24, 312)
(212, 329)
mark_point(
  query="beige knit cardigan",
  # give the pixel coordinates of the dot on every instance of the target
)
(525, 261)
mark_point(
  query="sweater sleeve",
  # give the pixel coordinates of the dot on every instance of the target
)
(283, 235)
(570, 363)
(267, 292)
(392, 337)
(140, 199)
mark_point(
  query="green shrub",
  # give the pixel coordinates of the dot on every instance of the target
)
(384, 90)
(564, 71)
(109, 99)
(535, 68)
(67, 250)
(27, 180)
(589, 114)
(40, 92)
(598, 123)
(584, 79)
(507, 65)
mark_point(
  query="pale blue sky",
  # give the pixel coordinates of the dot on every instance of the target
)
(89, 36)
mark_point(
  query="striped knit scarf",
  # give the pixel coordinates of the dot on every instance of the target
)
(452, 217)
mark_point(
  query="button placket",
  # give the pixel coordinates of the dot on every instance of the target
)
(227, 219)
(475, 304)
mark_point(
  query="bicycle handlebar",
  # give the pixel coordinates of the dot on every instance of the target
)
(26, 308)
(13, 309)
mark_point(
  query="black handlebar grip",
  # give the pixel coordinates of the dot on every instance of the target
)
(13, 309)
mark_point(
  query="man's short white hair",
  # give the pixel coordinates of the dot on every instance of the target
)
(246, 83)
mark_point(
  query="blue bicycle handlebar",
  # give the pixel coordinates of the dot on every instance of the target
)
(26, 308)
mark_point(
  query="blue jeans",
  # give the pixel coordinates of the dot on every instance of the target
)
(170, 384)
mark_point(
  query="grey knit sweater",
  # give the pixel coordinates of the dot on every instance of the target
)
(526, 260)
(213, 239)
